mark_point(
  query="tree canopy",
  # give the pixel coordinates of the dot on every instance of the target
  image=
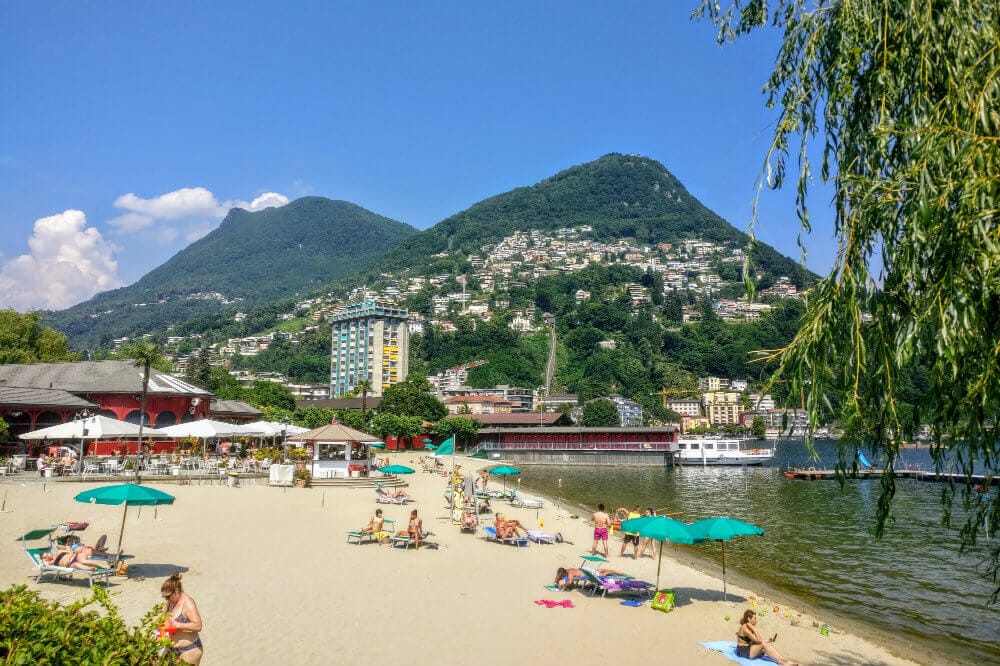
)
(600, 413)
(24, 340)
(412, 397)
(905, 101)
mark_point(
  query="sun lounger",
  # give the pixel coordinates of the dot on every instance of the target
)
(382, 497)
(491, 535)
(405, 542)
(541, 537)
(619, 585)
(518, 501)
(57, 572)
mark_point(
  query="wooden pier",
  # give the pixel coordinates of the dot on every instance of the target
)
(811, 474)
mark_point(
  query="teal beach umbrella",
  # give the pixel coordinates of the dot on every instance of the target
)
(396, 469)
(447, 448)
(659, 528)
(723, 529)
(377, 445)
(505, 471)
(128, 494)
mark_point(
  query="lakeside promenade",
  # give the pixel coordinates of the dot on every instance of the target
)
(276, 582)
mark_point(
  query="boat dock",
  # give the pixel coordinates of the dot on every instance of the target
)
(811, 474)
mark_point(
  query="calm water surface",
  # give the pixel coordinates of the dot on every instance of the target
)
(819, 544)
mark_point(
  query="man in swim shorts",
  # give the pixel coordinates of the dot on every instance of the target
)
(630, 537)
(602, 522)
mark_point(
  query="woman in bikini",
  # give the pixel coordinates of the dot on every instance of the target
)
(568, 577)
(64, 557)
(750, 644)
(183, 614)
(414, 530)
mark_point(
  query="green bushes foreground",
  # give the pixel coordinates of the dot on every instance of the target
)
(36, 631)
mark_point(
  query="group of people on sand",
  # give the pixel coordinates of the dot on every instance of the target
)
(414, 529)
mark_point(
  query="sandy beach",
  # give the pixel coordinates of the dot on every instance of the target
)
(276, 582)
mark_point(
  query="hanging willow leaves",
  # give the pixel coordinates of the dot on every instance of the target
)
(905, 98)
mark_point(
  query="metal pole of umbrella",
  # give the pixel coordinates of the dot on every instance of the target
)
(659, 561)
(723, 571)
(121, 533)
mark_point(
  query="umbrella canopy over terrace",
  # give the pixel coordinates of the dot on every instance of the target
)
(206, 429)
(93, 427)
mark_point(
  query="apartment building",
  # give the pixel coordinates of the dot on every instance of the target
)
(722, 407)
(370, 342)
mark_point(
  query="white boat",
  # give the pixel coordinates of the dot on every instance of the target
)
(722, 452)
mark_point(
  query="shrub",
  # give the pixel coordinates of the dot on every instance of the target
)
(36, 631)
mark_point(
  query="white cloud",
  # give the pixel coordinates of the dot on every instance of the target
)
(196, 206)
(69, 262)
(185, 202)
(267, 200)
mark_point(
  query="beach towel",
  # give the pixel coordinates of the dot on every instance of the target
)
(549, 603)
(728, 650)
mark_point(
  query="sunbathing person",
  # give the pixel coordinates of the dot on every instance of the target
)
(414, 530)
(508, 529)
(395, 494)
(568, 577)
(71, 560)
(750, 644)
(469, 519)
(374, 524)
(74, 544)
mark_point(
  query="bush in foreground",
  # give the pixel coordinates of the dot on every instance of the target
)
(36, 631)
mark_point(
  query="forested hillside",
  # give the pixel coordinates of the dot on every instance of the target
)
(250, 258)
(618, 196)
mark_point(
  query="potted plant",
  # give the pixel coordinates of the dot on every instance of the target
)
(302, 478)
(299, 455)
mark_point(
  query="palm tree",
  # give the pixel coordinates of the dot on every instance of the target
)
(363, 388)
(144, 354)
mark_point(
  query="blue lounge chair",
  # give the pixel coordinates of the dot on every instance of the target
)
(491, 535)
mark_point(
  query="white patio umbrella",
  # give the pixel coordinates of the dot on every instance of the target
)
(206, 429)
(93, 427)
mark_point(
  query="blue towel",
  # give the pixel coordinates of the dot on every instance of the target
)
(728, 649)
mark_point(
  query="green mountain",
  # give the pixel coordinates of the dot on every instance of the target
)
(258, 257)
(617, 195)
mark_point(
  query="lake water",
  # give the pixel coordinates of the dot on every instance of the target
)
(819, 544)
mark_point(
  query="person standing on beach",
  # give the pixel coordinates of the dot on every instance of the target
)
(602, 521)
(630, 537)
(184, 618)
(647, 542)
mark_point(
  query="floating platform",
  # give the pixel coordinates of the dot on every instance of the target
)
(810, 474)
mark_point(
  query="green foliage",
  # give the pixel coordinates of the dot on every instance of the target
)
(312, 417)
(600, 413)
(395, 425)
(199, 370)
(24, 340)
(461, 427)
(758, 428)
(4, 430)
(904, 99)
(224, 385)
(412, 397)
(36, 631)
(269, 394)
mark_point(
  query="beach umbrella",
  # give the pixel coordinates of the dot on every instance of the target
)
(128, 494)
(429, 447)
(723, 529)
(396, 469)
(659, 528)
(377, 445)
(505, 471)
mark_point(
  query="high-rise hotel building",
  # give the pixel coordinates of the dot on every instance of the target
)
(370, 341)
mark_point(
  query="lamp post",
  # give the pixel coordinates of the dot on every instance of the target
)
(82, 415)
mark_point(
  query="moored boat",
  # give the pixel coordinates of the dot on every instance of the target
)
(722, 452)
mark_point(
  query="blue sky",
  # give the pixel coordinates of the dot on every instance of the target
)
(128, 129)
